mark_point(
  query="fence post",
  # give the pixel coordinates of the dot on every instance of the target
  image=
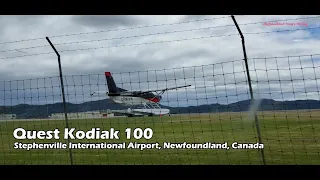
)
(63, 98)
(250, 87)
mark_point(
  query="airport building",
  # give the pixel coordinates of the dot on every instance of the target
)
(7, 116)
(82, 115)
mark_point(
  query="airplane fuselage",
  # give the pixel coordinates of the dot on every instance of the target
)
(134, 98)
(129, 100)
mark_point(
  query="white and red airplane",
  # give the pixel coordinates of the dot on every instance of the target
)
(147, 103)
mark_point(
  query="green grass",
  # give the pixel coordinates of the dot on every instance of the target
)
(289, 138)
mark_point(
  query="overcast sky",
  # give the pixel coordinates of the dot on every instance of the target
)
(151, 52)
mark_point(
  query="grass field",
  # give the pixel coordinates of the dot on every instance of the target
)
(289, 138)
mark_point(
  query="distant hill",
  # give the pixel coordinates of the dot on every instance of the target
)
(266, 104)
(42, 111)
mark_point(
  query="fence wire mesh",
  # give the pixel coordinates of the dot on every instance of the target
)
(215, 108)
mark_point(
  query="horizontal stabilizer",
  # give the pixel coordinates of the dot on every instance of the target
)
(97, 93)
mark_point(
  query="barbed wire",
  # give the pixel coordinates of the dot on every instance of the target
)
(153, 34)
(116, 38)
(160, 42)
(184, 39)
(110, 30)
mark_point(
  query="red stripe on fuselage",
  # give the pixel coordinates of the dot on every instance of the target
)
(153, 99)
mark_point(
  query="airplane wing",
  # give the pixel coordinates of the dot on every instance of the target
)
(166, 89)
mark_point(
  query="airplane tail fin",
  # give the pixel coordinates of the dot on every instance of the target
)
(111, 84)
